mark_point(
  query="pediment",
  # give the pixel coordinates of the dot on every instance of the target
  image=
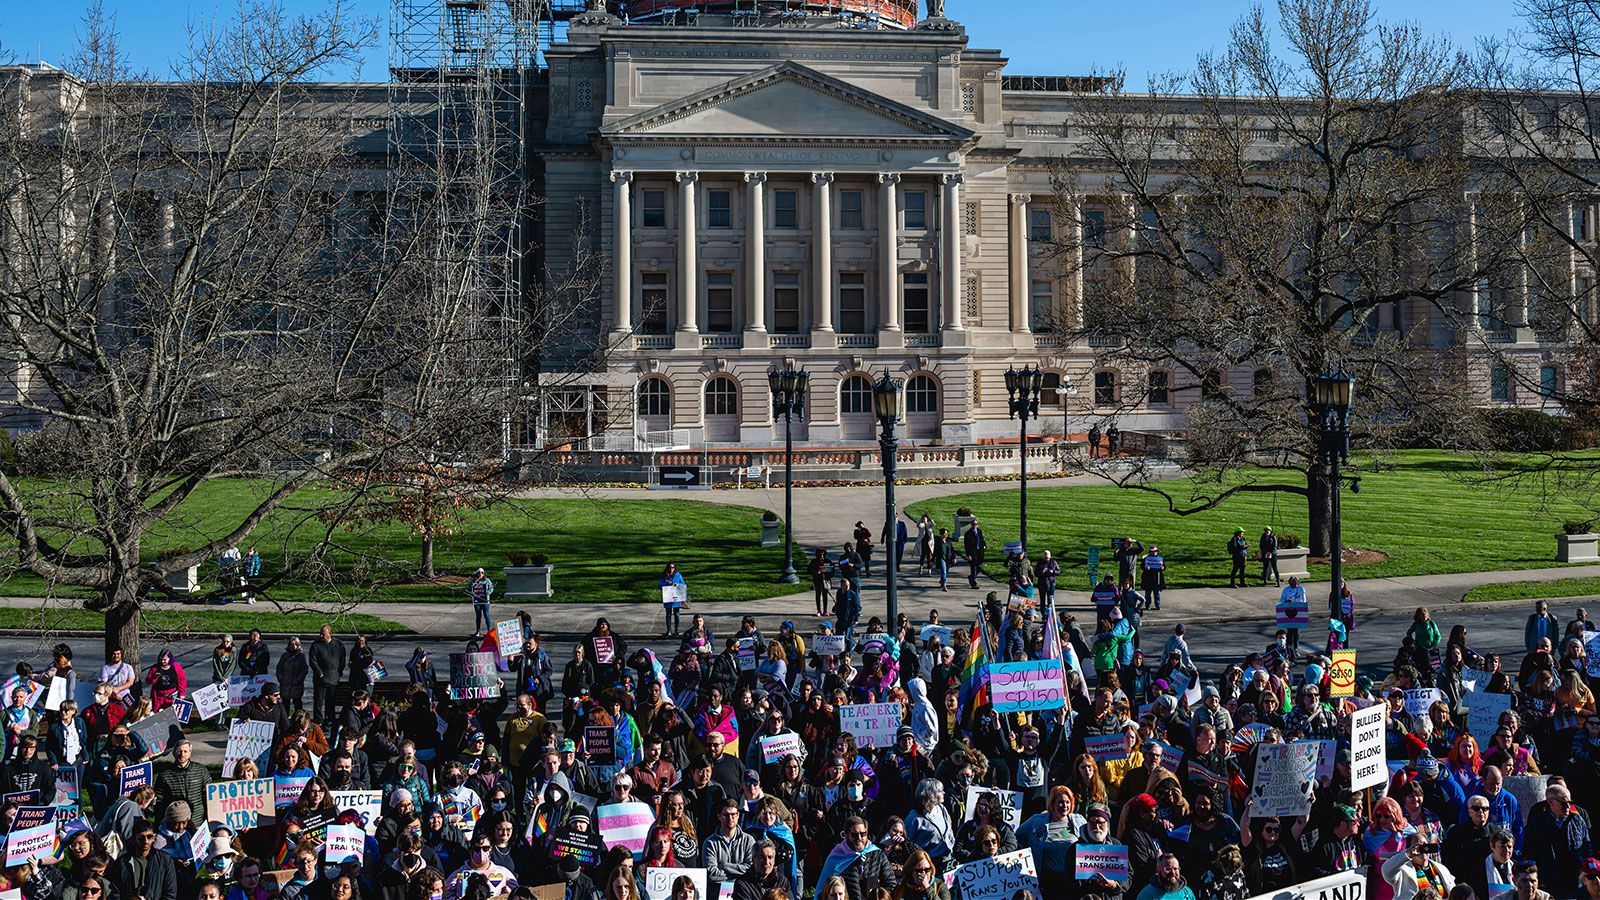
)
(792, 102)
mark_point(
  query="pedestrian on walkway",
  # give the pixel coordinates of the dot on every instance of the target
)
(1269, 556)
(974, 544)
(481, 589)
(1045, 573)
(672, 600)
(863, 539)
(1113, 439)
(1094, 441)
(327, 657)
(821, 569)
(1155, 576)
(924, 544)
(944, 556)
(1238, 549)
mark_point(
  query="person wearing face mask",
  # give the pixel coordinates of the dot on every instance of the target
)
(458, 800)
(984, 815)
(852, 803)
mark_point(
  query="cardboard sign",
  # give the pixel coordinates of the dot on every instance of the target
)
(1483, 714)
(1342, 674)
(929, 632)
(774, 747)
(57, 693)
(658, 882)
(155, 731)
(247, 740)
(625, 825)
(1419, 699)
(475, 676)
(873, 724)
(1368, 756)
(344, 843)
(244, 688)
(210, 701)
(600, 742)
(365, 804)
(1007, 803)
(827, 644)
(605, 650)
(1026, 686)
(998, 877)
(287, 789)
(1110, 860)
(33, 834)
(135, 777)
(1285, 775)
(1106, 747)
(674, 594)
(508, 637)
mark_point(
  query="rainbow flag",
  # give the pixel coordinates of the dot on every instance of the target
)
(975, 672)
(1056, 648)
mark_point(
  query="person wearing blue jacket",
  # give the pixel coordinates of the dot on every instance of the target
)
(671, 577)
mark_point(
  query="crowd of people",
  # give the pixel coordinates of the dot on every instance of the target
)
(732, 759)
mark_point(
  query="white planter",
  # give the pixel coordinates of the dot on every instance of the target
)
(1571, 548)
(1292, 561)
(769, 533)
(962, 524)
(527, 582)
(185, 581)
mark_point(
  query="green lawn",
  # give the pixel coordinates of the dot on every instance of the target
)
(1418, 509)
(610, 550)
(201, 620)
(1534, 590)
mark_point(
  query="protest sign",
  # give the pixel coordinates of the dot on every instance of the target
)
(1474, 679)
(1368, 757)
(1285, 774)
(605, 650)
(1026, 686)
(873, 724)
(600, 742)
(1592, 654)
(210, 701)
(376, 671)
(1419, 699)
(185, 710)
(1110, 860)
(344, 843)
(365, 804)
(1327, 755)
(1483, 714)
(676, 594)
(827, 644)
(198, 844)
(1002, 804)
(658, 882)
(1171, 757)
(1342, 674)
(1024, 600)
(1349, 885)
(247, 740)
(244, 688)
(1106, 747)
(1292, 612)
(135, 777)
(774, 747)
(288, 788)
(747, 654)
(508, 637)
(1528, 789)
(155, 731)
(33, 690)
(998, 877)
(22, 798)
(33, 834)
(474, 676)
(56, 694)
(929, 632)
(67, 787)
(625, 825)
(584, 845)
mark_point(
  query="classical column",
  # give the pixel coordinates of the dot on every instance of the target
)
(1020, 278)
(822, 253)
(1074, 214)
(950, 226)
(688, 256)
(756, 251)
(622, 253)
(889, 246)
(1476, 298)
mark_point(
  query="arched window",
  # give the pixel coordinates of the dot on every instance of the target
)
(722, 397)
(922, 395)
(1105, 388)
(1050, 390)
(655, 397)
(855, 395)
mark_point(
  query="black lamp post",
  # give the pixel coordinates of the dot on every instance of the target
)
(1022, 391)
(1330, 401)
(788, 400)
(886, 402)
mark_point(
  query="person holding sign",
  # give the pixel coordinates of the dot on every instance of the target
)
(501, 880)
(674, 594)
(606, 650)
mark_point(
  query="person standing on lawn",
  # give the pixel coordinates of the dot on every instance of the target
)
(480, 590)
(1269, 556)
(327, 657)
(1238, 550)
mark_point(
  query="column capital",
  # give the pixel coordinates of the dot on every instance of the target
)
(888, 177)
(951, 178)
(682, 177)
(755, 177)
(821, 177)
(1021, 199)
(621, 177)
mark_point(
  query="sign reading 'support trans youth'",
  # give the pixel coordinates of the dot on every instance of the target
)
(473, 676)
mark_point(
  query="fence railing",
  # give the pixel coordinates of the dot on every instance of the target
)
(819, 458)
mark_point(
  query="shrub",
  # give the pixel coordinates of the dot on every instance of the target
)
(1524, 430)
(8, 454)
(538, 559)
(518, 560)
(1288, 541)
(769, 516)
(173, 553)
(1577, 527)
(964, 511)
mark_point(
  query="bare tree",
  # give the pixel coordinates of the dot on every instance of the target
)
(219, 276)
(1297, 204)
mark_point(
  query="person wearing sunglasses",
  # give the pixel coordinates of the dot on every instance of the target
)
(862, 865)
(479, 862)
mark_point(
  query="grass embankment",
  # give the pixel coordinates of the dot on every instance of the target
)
(207, 621)
(1534, 590)
(1421, 509)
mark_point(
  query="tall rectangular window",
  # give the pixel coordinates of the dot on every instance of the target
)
(1500, 384)
(654, 301)
(852, 303)
(719, 302)
(1094, 228)
(1580, 223)
(1158, 390)
(786, 302)
(1041, 226)
(918, 317)
(719, 209)
(1042, 307)
(653, 209)
(916, 218)
(1105, 388)
(785, 209)
(852, 215)
(1548, 381)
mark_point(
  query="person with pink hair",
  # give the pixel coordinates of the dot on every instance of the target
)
(1384, 837)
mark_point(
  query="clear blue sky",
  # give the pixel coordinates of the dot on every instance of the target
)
(1041, 37)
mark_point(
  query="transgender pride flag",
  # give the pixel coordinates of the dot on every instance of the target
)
(626, 825)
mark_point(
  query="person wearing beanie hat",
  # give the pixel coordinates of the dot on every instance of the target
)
(1339, 850)
(1144, 835)
(172, 838)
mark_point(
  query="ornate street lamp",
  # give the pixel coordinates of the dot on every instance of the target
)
(1330, 395)
(789, 401)
(1023, 387)
(887, 399)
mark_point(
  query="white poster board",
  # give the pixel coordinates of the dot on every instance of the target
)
(1483, 714)
(247, 740)
(998, 877)
(873, 724)
(1368, 755)
(1284, 777)
(1007, 803)
(210, 701)
(658, 882)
